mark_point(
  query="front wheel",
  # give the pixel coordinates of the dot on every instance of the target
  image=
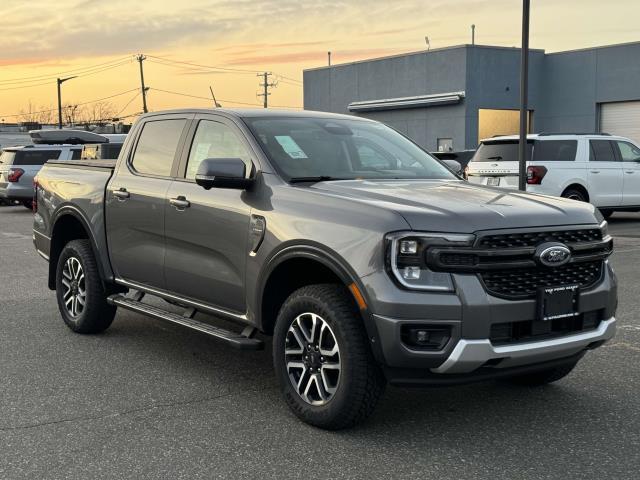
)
(82, 298)
(28, 204)
(322, 358)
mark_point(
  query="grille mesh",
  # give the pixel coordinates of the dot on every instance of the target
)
(524, 282)
(531, 239)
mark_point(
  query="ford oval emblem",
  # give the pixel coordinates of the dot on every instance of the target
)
(552, 254)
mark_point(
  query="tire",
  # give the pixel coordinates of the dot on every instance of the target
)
(542, 377)
(28, 204)
(574, 194)
(77, 280)
(358, 383)
(606, 213)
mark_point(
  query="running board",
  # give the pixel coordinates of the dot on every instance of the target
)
(237, 340)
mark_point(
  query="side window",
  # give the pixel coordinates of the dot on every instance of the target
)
(601, 151)
(629, 152)
(157, 147)
(76, 154)
(369, 158)
(215, 140)
(555, 150)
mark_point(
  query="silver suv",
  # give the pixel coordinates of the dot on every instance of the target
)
(19, 165)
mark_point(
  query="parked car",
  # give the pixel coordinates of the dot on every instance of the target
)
(598, 168)
(365, 268)
(20, 164)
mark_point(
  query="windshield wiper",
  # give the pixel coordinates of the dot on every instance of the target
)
(321, 178)
(497, 157)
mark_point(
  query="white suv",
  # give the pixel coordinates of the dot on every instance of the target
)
(597, 168)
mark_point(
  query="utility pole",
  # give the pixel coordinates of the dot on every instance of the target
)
(59, 82)
(215, 102)
(524, 86)
(266, 85)
(473, 34)
(141, 58)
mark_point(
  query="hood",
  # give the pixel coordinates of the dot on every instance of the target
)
(460, 207)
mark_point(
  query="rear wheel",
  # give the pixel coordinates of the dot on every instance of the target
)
(82, 298)
(322, 358)
(542, 377)
(28, 204)
(574, 194)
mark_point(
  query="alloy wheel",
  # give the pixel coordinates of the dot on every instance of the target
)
(312, 358)
(74, 294)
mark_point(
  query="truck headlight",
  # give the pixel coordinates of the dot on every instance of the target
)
(406, 258)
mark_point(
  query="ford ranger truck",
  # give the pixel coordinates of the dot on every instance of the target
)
(365, 259)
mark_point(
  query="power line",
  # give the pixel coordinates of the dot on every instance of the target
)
(127, 104)
(48, 82)
(78, 71)
(77, 104)
(212, 67)
(204, 98)
(280, 76)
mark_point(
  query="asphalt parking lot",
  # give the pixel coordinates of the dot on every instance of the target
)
(149, 400)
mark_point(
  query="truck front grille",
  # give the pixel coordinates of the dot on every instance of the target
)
(531, 239)
(524, 282)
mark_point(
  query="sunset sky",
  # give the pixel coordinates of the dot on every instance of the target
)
(42, 39)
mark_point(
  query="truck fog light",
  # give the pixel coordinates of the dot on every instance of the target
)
(408, 247)
(411, 273)
(425, 336)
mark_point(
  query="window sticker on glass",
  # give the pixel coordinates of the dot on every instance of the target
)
(290, 146)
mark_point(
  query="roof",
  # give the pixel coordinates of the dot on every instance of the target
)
(258, 113)
(549, 136)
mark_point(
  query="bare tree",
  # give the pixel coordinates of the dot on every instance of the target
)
(32, 114)
(95, 113)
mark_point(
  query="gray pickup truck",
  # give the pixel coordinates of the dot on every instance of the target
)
(367, 260)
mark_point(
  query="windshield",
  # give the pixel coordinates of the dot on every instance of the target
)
(339, 149)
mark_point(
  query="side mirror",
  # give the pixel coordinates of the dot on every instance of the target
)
(222, 173)
(454, 166)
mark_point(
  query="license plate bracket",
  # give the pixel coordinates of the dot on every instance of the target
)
(493, 181)
(555, 303)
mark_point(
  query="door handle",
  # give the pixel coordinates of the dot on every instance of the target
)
(180, 202)
(121, 194)
(629, 171)
(595, 171)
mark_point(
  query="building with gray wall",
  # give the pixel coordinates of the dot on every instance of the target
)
(451, 97)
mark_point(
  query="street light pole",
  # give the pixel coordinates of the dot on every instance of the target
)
(59, 82)
(524, 86)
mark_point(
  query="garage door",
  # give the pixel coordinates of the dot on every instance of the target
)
(621, 118)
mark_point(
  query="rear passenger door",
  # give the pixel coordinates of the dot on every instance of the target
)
(605, 174)
(136, 200)
(630, 156)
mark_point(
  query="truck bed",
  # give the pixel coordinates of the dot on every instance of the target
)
(76, 188)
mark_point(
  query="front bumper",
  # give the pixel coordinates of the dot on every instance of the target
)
(468, 355)
(470, 314)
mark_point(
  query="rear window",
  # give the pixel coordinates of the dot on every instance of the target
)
(76, 154)
(29, 157)
(542, 150)
(157, 146)
(500, 151)
(601, 151)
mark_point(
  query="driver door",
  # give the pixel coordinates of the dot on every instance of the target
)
(630, 156)
(206, 237)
